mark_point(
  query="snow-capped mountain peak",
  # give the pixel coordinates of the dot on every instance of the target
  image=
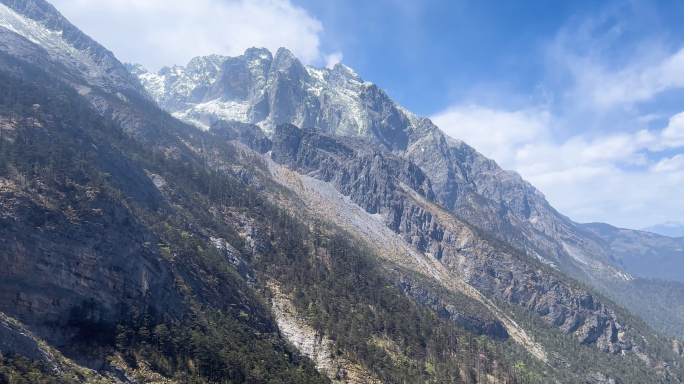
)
(268, 90)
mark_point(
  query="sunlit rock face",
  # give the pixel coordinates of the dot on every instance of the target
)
(396, 191)
(35, 31)
(267, 90)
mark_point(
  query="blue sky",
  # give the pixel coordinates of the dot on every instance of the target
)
(429, 54)
(580, 97)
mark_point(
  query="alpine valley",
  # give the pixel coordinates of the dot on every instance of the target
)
(253, 220)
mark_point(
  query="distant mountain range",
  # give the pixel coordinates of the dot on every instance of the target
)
(644, 253)
(670, 228)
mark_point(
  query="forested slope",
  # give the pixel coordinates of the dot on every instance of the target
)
(139, 245)
(213, 326)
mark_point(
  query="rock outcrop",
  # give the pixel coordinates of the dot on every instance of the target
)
(266, 90)
(445, 220)
(386, 184)
(55, 265)
(599, 378)
(14, 339)
(249, 134)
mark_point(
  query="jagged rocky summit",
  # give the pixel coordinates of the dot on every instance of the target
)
(267, 90)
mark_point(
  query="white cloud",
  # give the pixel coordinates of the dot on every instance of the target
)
(670, 165)
(601, 177)
(167, 32)
(626, 198)
(670, 137)
(599, 146)
(495, 133)
(633, 83)
(608, 67)
(332, 59)
(673, 135)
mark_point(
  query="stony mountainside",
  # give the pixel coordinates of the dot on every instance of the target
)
(154, 261)
(382, 184)
(99, 257)
(657, 294)
(432, 255)
(35, 31)
(146, 249)
(264, 90)
(267, 90)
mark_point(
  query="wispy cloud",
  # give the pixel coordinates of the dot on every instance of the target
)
(636, 84)
(670, 165)
(608, 67)
(607, 145)
(168, 32)
(603, 87)
(498, 134)
(332, 59)
(589, 176)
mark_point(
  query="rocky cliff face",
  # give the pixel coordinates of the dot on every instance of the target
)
(368, 175)
(387, 185)
(96, 251)
(79, 247)
(268, 90)
(258, 88)
(36, 32)
(157, 223)
(250, 135)
(16, 340)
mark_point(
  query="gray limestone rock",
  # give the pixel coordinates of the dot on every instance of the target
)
(371, 176)
(599, 378)
(53, 266)
(256, 88)
(14, 339)
(249, 134)
(379, 182)
(469, 315)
